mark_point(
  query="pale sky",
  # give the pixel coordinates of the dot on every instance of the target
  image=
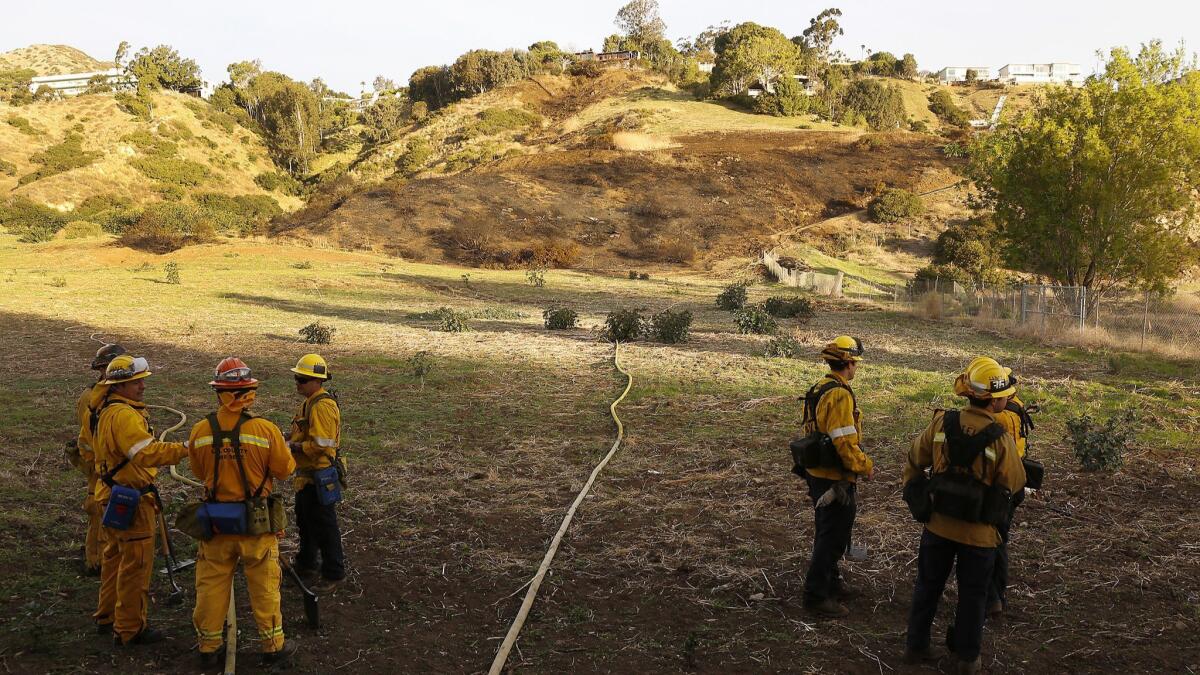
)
(349, 42)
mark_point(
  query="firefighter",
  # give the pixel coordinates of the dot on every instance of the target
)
(831, 416)
(83, 457)
(238, 456)
(127, 457)
(315, 440)
(974, 471)
(1016, 419)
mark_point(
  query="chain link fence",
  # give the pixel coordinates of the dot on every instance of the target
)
(1139, 320)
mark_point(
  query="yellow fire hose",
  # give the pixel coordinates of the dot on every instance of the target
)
(515, 629)
(231, 615)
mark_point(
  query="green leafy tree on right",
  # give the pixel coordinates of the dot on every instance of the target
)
(1095, 186)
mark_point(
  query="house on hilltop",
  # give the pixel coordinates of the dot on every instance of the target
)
(73, 84)
(620, 59)
(1042, 73)
(954, 74)
(810, 88)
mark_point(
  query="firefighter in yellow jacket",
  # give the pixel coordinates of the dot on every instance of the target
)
(974, 471)
(315, 440)
(84, 458)
(238, 460)
(1016, 419)
(831, 412)
(127, 457)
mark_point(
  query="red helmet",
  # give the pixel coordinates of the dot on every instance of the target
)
(233, 373)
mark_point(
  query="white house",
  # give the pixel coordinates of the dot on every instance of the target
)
(1042, 73)
(70, 84)
(757, 88)
(952, 74)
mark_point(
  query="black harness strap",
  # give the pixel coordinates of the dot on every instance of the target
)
(963, 449)
(234, 436)
(813, 397)
(1025, 417)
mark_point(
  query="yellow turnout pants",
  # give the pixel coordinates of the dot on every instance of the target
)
(93, 545)
(126, 564)
(216, 562)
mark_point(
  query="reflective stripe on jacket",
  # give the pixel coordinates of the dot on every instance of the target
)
(837, 416)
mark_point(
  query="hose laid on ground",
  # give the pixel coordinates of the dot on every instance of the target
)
(231, 615)
(515, 629)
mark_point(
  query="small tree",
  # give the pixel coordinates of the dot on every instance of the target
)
(172, 270)
(894, 205)
(670, 327)
(623, 325)
(1101, 446)
(317, 333)
(733, 297)
(560, 318)
(754, 319)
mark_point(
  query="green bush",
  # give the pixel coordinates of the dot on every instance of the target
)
(8, 168)
(942, 104)
(81, 229)
(302, 265)
(30, 220)
(22, 125)
(784, 346)
(732, 298)
(955, 150)
(246, 214)
(172, 170)
(317, 333)
(789, 100)
(416, 154)
(167, 226)
(112, 213)
(536, 277)
(670, 327)
(419, 365)
(137, 106)
(56, 159)
(1101, 446)
(789, 308)
(972, 246)
(172, 271)
(276, 180)
(623, 325)
(450, 321)
(895, 205)
(938, 277)
(170, 192)
(879, 106)
(754, 319)
(560, 318)
(587, 68)
(149, 144)
(176, 130)
(497, 120)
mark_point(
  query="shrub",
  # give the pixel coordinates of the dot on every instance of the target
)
(169, 192)
(450, 321)
(168, 226)
(112, 213)
(670, 327)
(317, 333)
(302, 265)
(137, 106)
(149, 144)
(937, 277)
(31, 221)
(58, 282)
(497, 120)
(644, 276)
(789, 308)
(536, 277)
(81, 229)
(276, 180)
(895, 205)
(754, 319)
(245, 213)
(789, 100)
(784, 346)
(954, 150)
(560, 318)
(172, 170)
(633, 274)
(732, 298)
(172, 270)
(973, 247)
(557, 254)
(419, 365)
(22, 125)
(879, 106)
(1101, 446)
(918, 126)
(623, 325)
(416, 154)
(587, 68)
(942, 104)
(8, 168)
(56, 159)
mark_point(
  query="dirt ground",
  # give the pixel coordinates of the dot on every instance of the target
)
(689, 555)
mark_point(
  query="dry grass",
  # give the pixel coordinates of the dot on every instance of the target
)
(632, 141)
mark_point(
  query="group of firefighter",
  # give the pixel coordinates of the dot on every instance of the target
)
(964, 477)
(237, 456)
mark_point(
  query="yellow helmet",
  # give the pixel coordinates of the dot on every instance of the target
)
(987, 380)
(312, 365)
(843, 348)
(960, 383)
(126, 368)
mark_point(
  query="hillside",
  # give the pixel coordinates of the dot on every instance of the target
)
(625, 168)
(204, 151)
(51, 60)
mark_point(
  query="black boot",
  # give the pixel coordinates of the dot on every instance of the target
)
(212, 659)
(147, 636)
(281, 658)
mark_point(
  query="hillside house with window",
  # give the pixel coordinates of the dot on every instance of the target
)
(756, 89)
(73, 84)
(954, 74)
(1042, 73)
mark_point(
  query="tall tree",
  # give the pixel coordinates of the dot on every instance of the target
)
(907, 67)
(1095, 186)
(821, 32)
(122, 52)
(433, 85)
(383, 84)
(640, 20)
(163, 68)
(750, 52)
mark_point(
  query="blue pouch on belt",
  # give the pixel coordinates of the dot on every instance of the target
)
(122, 507)
(329, 488)
(222, 518)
